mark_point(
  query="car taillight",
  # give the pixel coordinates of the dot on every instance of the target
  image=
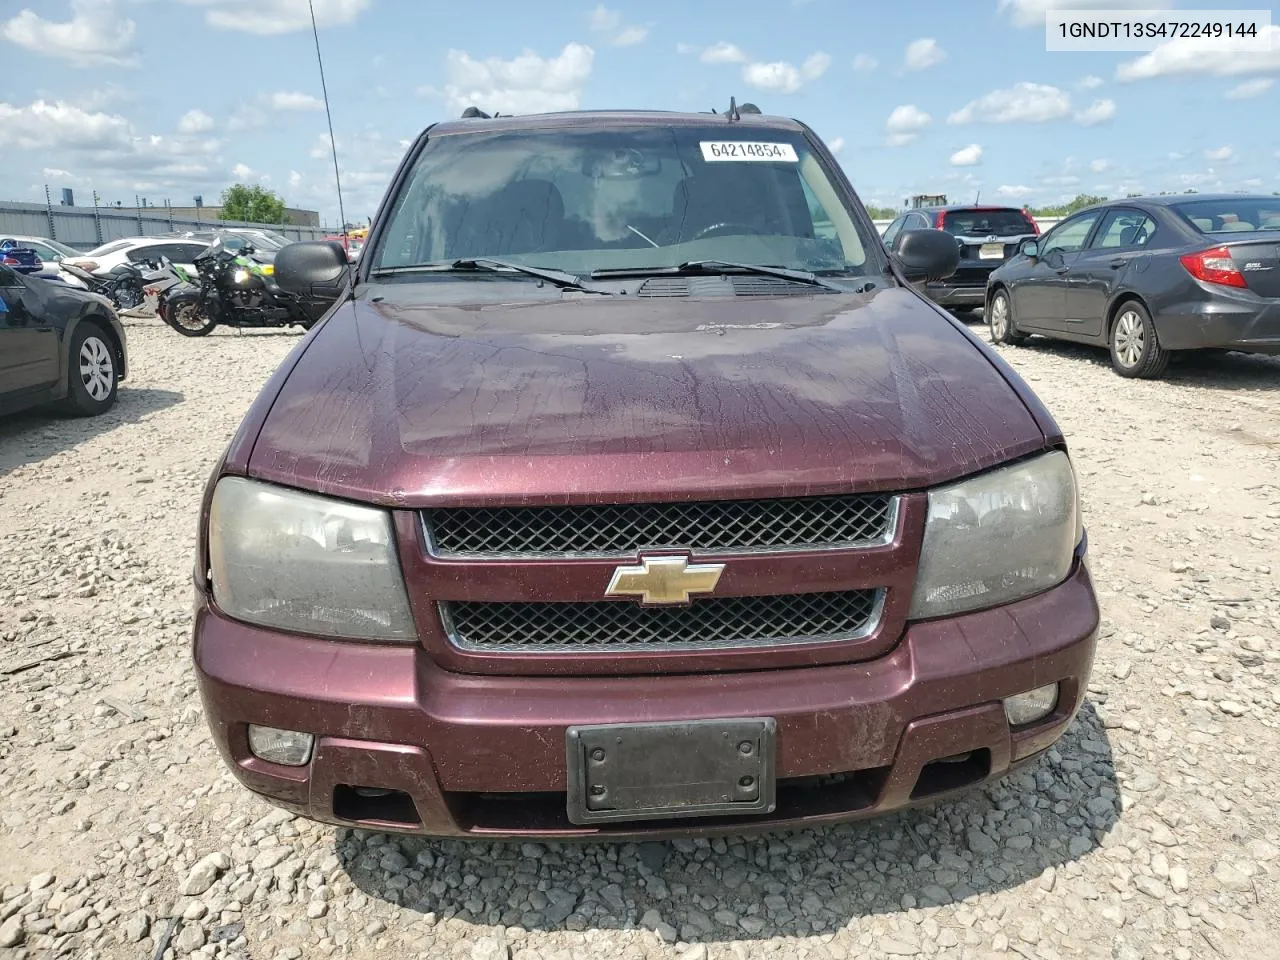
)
(11, 262)
(939, 219)
(1214, 266)
(1035, 227)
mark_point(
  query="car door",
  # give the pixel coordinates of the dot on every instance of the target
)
(1040, 301)
(1092, 279)
(28, 343)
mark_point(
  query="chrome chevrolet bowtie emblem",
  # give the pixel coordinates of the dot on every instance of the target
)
(664, 580)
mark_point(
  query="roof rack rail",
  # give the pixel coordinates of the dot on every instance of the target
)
(473, 112)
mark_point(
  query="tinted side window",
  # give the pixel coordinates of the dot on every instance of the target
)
(1069, 237)
(892, 231)
(1124, 228)
(186, 252)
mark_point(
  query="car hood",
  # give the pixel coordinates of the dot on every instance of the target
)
(593, 398)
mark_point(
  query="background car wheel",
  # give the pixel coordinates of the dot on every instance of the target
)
(1000, 320)
(1135, 351)
(93, 372)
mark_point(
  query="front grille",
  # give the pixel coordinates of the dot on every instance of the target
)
(621, 529)
(623, 627)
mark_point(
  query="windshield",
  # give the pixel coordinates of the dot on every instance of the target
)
(1233, 215)
(987, 223)
(623, 197)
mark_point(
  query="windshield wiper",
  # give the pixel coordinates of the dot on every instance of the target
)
(560, 278)
(719, 268)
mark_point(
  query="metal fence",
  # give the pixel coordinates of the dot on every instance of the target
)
(87, 227)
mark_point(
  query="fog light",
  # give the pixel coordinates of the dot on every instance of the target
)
(285, 747)
(1031, 706)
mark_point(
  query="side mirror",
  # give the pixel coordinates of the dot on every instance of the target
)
(926, 254)
(1029, 248)
(315, 269)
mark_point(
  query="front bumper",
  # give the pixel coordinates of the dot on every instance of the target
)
(485, 756)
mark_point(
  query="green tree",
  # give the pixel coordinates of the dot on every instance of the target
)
(253, 204)
(1079, 202)
(882, 213)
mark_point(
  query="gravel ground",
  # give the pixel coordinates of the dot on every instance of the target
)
(1152, 830)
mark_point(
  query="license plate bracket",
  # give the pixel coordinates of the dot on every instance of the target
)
(655, 771)
(991, 251)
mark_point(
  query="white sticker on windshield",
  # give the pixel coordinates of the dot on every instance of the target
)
(713, 150)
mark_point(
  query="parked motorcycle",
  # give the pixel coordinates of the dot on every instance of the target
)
(122, 285)
(236, 290)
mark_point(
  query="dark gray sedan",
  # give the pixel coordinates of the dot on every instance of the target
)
(1147, 277)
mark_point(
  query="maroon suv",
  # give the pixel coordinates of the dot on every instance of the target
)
(630, 489)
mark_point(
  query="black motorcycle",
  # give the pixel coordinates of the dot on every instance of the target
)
(122, 285)
(236, 290)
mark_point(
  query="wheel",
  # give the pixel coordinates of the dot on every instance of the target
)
(92, 373)
(187, 319)
(1135, 350)
(1000, 320)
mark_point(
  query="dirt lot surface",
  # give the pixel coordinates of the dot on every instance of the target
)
(1152, 830)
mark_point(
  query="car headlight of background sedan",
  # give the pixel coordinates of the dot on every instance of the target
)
(998, 537)
(301, 562)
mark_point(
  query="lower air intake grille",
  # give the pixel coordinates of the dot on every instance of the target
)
(623, 626)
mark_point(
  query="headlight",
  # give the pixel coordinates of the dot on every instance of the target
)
(300, 562)
(241, 275)
(998, 537)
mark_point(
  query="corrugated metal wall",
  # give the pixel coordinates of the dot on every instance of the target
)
(85, 228)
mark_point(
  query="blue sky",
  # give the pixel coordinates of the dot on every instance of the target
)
(170, 98)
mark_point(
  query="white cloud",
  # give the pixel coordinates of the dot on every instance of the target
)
(835, 144)
(905, 123)
(1190, 56)
(1252, 182)
(1100, 111)
(103, 146)
(1097, 166)
(1031, 13)
(865, 63)
(783, 77)
(295, 179)
(608, 25)
(967, 156)
(1219, 154)
(722, 52)
(241, 171)
(923, 53)
(1022, 103)
(1250, 88)
(195, 121)
(1089, 82)
(1006, 190)
(526, 83)
(294, 100)
(1065, 180)
(272, 17)
(96, 35)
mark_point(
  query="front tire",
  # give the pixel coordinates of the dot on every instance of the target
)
(93, 372)
(1000, 320)
(1135, 350)
(187, 319)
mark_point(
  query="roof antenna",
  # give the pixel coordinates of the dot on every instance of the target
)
(333, 144)
(733, 113)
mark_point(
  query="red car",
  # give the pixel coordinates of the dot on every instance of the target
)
(630, 489)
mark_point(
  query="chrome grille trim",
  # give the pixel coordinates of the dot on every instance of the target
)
(715, 623)
(707, 528)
